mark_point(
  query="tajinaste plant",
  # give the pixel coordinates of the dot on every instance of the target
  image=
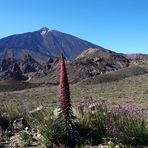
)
(72, 135)
(65, 93)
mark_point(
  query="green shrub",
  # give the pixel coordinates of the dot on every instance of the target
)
(26, 137)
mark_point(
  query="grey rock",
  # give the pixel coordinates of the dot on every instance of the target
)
(20, 124)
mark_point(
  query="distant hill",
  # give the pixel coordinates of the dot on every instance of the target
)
(43, 44)
(116, 75)
(138, 59)
(136, 56)
(89, 63)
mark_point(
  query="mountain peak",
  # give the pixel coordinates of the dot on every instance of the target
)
(44, 31)
(42, 44)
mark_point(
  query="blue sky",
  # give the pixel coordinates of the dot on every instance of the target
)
(118, 25)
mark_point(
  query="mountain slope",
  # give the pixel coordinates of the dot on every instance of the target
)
(43, 44)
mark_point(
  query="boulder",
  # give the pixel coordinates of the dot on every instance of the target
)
(20, 124)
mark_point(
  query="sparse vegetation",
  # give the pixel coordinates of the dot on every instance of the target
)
(84, 121)
(96, 124)
(126, 125)
(27, 138)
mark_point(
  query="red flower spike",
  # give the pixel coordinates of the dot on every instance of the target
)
(65, 93)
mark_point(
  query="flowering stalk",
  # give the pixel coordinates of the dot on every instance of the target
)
(72, 135)
(65, 93)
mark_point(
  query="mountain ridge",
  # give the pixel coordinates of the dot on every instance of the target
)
(43, 44)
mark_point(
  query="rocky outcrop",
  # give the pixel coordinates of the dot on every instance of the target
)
(26, 68)
(16, 72)
(29, 64)
(13, 68)
(28, 59)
